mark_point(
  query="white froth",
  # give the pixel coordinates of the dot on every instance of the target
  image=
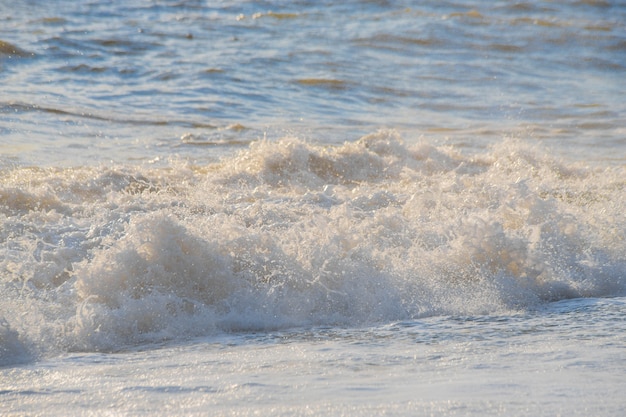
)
(288, 233)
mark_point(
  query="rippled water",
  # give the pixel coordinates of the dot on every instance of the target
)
(139, 80)
(364, 207)
(544, 363)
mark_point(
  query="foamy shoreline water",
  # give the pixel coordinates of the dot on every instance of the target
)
(292, 234)
(566, 357)
(312, 208)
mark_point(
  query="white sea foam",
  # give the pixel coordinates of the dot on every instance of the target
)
(289, 233)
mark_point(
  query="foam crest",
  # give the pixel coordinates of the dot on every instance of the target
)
(290, 233)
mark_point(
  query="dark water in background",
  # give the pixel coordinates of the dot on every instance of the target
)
(93, 81)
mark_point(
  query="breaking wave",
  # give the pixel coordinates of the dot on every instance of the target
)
(289, 233)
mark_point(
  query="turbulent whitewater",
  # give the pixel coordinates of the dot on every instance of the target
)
(287, 234)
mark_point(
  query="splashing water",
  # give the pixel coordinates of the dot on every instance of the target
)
(289, 233)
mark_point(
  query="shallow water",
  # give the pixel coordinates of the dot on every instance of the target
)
(567, 358)
(312, 208)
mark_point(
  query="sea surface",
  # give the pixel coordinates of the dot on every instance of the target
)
(312, 208)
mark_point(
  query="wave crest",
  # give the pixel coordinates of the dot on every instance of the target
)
(290, 233)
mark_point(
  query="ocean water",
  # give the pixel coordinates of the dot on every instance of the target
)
(312, 208)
